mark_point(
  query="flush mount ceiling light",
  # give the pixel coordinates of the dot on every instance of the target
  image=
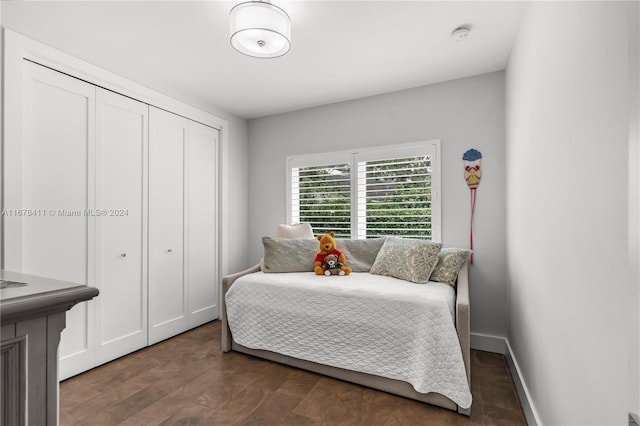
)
(260, 29)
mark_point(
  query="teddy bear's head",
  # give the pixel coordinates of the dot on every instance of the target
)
(327, 243)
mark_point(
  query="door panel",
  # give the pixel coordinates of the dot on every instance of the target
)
(167, 289)
(121, 146)
(51, 176)
(202, 235)
(58, 131)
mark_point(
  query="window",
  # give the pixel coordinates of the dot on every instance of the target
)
(391, 190)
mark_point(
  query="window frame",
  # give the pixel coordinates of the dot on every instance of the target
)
(354, 156)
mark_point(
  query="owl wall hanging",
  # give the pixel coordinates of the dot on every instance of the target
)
(472, 174)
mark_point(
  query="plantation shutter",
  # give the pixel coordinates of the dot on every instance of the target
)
(376, 192)
(321, 196)
(395, 197)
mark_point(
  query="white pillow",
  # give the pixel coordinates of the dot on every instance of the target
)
(299, 230)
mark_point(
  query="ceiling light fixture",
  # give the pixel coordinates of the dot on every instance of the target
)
(260, 29)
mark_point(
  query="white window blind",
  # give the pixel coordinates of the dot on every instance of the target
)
(371, 193)
(321, 196)
(394, 198)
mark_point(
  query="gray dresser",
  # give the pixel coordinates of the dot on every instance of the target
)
(32, 317)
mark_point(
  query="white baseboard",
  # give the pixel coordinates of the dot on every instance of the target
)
(500, 345)
(483, 342)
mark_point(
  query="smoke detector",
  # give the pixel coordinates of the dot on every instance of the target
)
(461, 32)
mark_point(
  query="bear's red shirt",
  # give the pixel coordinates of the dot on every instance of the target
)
(321, 256)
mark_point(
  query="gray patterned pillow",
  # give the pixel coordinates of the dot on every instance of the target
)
(449, 263)
(407, 259)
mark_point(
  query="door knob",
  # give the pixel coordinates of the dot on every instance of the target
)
(123, 255)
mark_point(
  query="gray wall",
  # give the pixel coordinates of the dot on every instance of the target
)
(238, 194)
(567, 210)
(463, 114)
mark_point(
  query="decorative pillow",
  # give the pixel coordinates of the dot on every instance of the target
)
(298, 230)
(289, 254)
(450, 260)
(360, 254)
(407, 259)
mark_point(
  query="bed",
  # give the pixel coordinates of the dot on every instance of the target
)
(374, 330)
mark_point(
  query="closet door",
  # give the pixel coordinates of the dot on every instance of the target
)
(48, 176)
(202, 235)
(168, 301)
(121, 152)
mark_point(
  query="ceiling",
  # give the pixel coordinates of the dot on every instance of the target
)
(341, 50)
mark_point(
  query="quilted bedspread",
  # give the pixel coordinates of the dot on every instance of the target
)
(362, 322)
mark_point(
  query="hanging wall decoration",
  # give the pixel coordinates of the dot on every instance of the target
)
(472, 174)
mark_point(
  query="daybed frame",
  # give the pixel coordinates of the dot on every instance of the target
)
(396, 387)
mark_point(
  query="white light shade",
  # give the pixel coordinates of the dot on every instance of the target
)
(260, 29)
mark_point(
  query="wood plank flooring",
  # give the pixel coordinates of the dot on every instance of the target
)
(187, 380)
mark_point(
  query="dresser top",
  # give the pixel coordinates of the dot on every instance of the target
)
(39, 296)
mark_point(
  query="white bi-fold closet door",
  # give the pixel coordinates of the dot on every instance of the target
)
(49, 173)
(202, 221)
(82, 168)
(168, 293)
(121, 225)
(182, 202)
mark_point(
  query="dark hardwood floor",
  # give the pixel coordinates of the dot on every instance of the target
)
(187, 380)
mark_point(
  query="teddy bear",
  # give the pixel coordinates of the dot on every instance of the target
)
(328, 247)
(331, 265)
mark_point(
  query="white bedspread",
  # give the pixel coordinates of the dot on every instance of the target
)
(361, 322)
